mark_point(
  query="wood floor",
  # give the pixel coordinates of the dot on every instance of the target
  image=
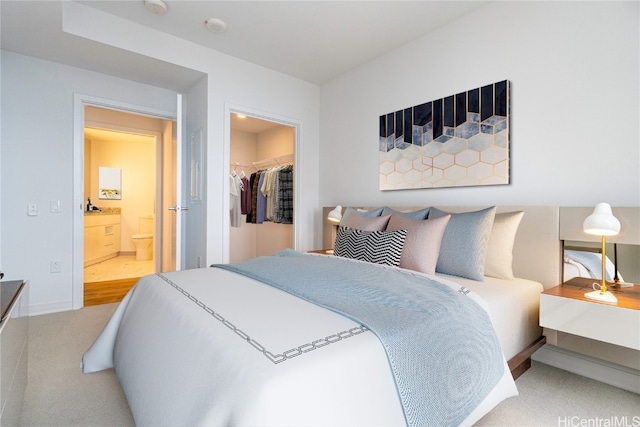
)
(109, 281)
(108, 291)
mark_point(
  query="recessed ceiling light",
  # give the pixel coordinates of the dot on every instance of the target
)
(216, 25)
(157, 7)
(241, 116)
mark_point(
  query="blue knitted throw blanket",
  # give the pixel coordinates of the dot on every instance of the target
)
(441, 345)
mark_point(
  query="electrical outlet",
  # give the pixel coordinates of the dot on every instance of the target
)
(54, 266)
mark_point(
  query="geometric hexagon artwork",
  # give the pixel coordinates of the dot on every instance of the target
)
(458, 141)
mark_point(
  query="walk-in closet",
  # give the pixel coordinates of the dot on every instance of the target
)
(261, 187)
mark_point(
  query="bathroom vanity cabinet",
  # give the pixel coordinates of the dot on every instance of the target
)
(101, 237)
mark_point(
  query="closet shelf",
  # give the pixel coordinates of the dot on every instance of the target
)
(274, 161)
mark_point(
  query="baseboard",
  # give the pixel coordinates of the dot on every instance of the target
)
(39, 309)
(590, 367)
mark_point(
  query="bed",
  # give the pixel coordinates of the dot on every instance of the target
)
(280, 340)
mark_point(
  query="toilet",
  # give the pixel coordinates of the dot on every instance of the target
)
(144, 239)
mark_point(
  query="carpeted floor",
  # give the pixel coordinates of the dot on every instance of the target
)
(58, 394)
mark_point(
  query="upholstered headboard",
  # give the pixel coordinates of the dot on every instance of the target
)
(537, 248)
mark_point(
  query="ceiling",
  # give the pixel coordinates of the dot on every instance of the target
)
(251, 124)
(109, 135)
(315, 41)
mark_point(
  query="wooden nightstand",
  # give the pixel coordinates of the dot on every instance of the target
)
(322, 251)
(565, 308)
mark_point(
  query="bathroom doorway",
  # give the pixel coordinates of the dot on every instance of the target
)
(124, 228)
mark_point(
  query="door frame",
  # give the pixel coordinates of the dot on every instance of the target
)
(80, 101)
(297, 155)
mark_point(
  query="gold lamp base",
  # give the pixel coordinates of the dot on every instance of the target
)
(605, 296)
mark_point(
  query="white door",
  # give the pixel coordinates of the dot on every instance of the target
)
(178, 207)
(173, 168)
(189, 208)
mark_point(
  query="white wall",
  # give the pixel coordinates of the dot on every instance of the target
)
(37, 166)
(37, 141)
(231, 82)
(273, 237)
(242, 240)
(137, 163)
(573, 67)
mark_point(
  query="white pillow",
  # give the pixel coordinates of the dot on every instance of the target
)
(499, 261)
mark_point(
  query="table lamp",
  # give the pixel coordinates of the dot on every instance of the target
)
(335, 215)
(602, 223)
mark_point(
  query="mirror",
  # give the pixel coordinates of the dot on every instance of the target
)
(109, 183)
(583, 259)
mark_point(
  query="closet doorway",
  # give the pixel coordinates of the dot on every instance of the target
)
(259, 146)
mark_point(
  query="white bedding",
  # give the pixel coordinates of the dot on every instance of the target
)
(514, 308)
(180, 365)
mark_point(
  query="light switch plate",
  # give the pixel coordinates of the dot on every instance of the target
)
(54, 206)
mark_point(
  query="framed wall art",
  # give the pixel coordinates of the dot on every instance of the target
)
(458, 141)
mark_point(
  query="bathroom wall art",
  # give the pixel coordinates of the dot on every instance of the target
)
(458, 141)
(110, 183)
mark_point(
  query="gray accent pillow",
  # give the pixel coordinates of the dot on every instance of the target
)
(422, 245)
(377, 223)
(420, 214)
(379, 247)
(463, 251)
(366, 214)
(499, 261)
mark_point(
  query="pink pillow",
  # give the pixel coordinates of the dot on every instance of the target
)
(378, 223)
(422, 244)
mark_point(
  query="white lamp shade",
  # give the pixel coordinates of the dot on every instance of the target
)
(335, 215)
(601, 222)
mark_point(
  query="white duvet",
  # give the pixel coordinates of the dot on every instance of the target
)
(201, 353)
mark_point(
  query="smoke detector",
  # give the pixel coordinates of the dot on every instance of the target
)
(157, 7)
(216, 25)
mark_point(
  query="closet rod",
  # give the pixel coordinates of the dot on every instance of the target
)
(274, 161)
(240, 165)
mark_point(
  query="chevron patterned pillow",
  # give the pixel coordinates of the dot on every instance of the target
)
(379, 247)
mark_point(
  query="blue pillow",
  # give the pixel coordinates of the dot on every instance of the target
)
(419, 215)
(367, 214)
(463, 250)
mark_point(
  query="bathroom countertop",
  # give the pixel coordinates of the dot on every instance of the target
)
(104, 211)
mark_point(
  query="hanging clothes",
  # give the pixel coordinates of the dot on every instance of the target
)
(252, 201)
(235, 188)
(285, 195)
(245, 195)
(261, 201)
(268, 196)
(267, 191)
